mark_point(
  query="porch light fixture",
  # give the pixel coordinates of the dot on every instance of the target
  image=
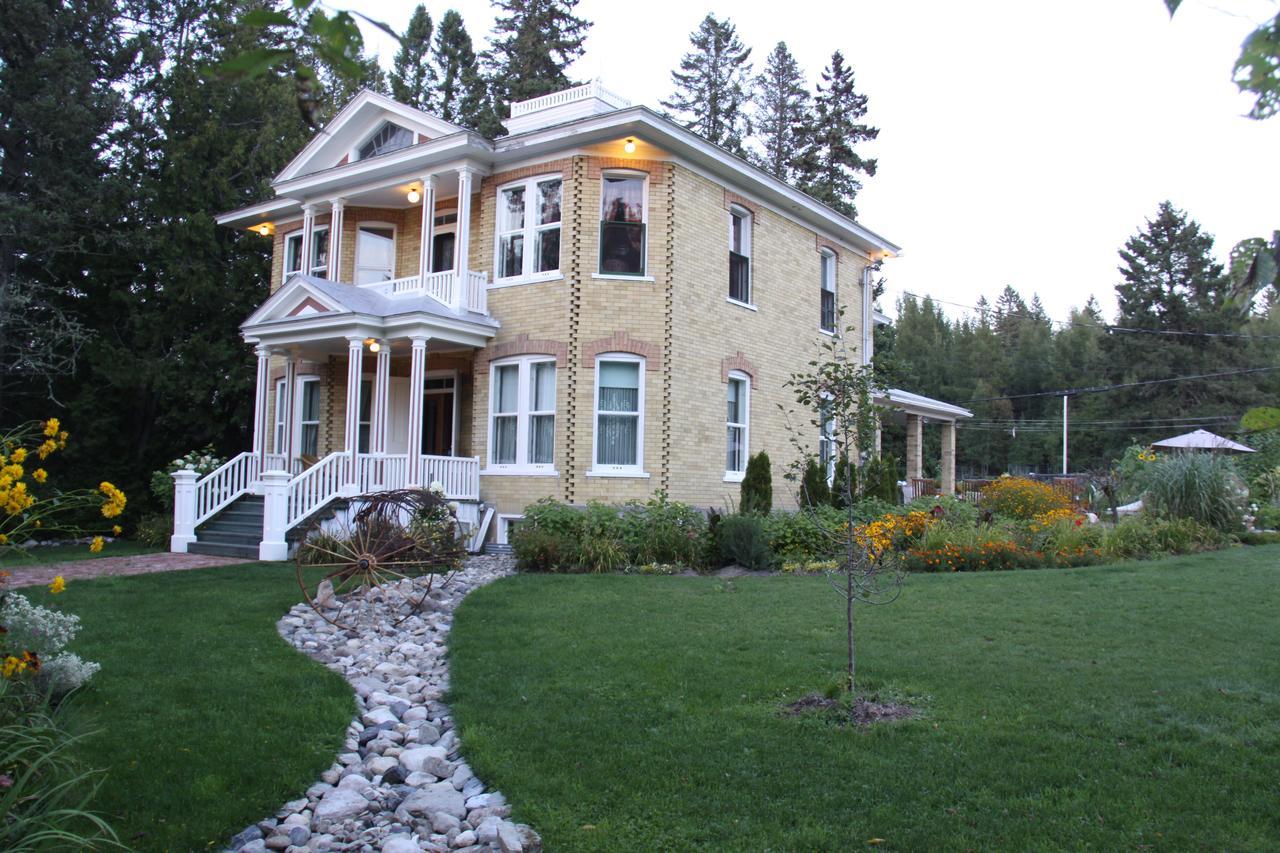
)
(629, 146)
(375, 346)
(414, 196)
(264, 229)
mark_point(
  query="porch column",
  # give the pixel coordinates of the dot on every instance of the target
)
(462, 242)
(381, 388)
(351, 436)
(260, 401)
(915, 447)
(417, 379)
(335, 238)
(948, 457)
(428, 227)
(308, 237)
(286, 417)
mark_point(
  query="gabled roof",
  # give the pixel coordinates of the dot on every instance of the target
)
(1202, 439)
(354, 123)
(306, 296)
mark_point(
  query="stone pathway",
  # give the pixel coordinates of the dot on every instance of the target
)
(97, 567)
(399, 784)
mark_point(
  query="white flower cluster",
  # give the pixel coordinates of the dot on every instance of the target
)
(201, 461)
(437, 487)
(46, 632)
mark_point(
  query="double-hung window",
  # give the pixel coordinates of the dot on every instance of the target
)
(292, 254)
(619, 415)
(366, 416)
(277, 443)
(740, 255)
(828, 317)
(528, 231)
(622, 225)
(309, 416)
(319, 265)
(737, 424)
(522, 414)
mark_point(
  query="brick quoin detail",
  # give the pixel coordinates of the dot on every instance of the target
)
(731, 198)
(655, 168)
(523, 345)
(622, 342)
(740, 363)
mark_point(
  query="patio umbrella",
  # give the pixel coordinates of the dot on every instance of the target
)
(1202, 440)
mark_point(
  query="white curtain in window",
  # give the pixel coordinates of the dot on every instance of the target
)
(735, 426)
(506, 406)
(619, 396)
(542, 426)
(310, 419)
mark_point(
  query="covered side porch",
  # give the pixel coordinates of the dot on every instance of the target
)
(357, 392)
(914, 411)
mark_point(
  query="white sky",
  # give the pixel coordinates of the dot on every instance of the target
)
(1021, 142)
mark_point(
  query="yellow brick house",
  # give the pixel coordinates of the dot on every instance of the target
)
(598, 305)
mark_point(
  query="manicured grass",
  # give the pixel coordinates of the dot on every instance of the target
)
(206, 719)
(15, 560)
(1115, 707)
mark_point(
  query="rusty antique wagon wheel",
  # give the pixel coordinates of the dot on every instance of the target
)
(391, 550)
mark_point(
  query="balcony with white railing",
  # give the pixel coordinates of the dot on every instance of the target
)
(461, 292)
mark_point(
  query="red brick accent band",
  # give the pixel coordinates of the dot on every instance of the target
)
(524, 345)
(622, 342)
(731, 198)
(820, 243)
(654, 168)
(740, 363)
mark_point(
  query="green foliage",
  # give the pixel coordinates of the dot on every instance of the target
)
(814, 491)
(743, 542)
(829, 164)
(954, 510)
(154, 528)
(713, 83)
(1144, 537)
(664, 531)
(1260, 418)
(1204, 487)
(757, 486)
(844, 483)
(203, 461)
(880, 479)
(463, 95)
(413, 78)
(782, 117)
(805, 536)
(532, 46)
(1022, 498)
(1258, 69)
(1267, 517)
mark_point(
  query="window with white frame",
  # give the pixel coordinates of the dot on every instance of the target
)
(366, 416)
(737, 425)
(277, 437)
(619, 414)
(375, 252)
(309, 416)
(319, 253)
(528, 233)
(623, 216)
(292, 253)
(522, 414)
(828, 317)
(740, 255)
(389, 137)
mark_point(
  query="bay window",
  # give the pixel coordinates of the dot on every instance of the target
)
(828, 318)
(528, 232)
(737, 424)
(740, 255)
(522, 415)
(622, 225)
(619, 415)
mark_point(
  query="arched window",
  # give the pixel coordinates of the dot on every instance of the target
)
(390, 137)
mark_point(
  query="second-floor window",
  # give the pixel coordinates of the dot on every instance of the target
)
(522, 416)
(622, 225)
(375, 253)
(319, 265)
(828, 317)
(740, 255)
(528, 232)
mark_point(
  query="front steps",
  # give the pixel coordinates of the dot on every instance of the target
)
(233, 532)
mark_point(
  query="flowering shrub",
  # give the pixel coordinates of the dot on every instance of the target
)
(33, 641)
(992, 555)
(203, 461)
(1022, 498)
(891, 532)
(26, 509)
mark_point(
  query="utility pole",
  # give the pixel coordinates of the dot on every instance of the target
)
(1064, 435)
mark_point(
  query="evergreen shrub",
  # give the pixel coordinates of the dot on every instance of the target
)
(757, 486)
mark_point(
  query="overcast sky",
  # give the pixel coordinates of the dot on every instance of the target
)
(1021, 142)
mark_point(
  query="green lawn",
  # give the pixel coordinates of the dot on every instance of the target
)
(1119, 707)
(207, 720)
(13, 559)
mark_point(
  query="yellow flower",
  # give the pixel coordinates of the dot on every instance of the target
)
(115, 502)
(45, 449)
(19, 455)
(58, 585)
(39, 475)
(116, 530)
(51, 427)
(96, 545)
(4, 540)
(12, 665)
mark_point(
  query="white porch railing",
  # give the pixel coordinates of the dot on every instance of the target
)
(314, 488)
(440, 286)
(460, 475)
(219, 488)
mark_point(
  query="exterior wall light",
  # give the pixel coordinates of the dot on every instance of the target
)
(629, 146)
(264, 229)
(414, 196)
(375, 346)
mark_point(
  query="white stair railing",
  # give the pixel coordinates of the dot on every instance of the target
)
(217, 489)
(460, 475)
(314, 488)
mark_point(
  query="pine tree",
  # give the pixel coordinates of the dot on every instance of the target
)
(712, 85)
(413, 76)
(782, 117)
(757, 486)
(830, 164)
(534, 43)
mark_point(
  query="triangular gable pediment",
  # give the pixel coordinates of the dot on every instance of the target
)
(356, 122)
(297, 298)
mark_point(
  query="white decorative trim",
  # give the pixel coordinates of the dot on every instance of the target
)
(621, 475)
(533, 279)
(746, 305)
(615, 277)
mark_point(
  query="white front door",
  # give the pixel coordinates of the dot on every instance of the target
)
(398, 416)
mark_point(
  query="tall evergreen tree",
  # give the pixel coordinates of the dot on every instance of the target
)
(534, 43)
(782, 117)
(413, 76)
(712, 85)
(463, 93)
(830, 163)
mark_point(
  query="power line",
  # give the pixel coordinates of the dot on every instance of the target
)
(1057, 430)
(1097, 389)
(1106, 326)
(1074, 422)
